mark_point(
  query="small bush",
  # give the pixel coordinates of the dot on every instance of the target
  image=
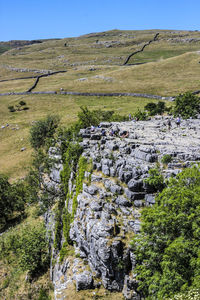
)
(11, 108)
(155, 180)
(19, 107)
(140, 115)
(166, 159)
(22, 103)
(43, 295)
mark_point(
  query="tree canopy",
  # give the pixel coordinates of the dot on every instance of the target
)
(12, 200)
(167, 249)
(187, 105)
(43, 130)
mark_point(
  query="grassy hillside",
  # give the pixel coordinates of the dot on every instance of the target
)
(94, 63)
(14, 162)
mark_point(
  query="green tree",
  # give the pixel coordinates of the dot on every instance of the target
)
(32, 250)
(12, 199)
(154, 108)
(187, 105)
(167, 249)
(140, 115)
(155, 180)
(27, 247)
(42, 131)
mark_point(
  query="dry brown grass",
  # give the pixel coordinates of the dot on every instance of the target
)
(100, 294)
(166, 78)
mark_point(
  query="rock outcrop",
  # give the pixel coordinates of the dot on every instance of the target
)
(109, 205)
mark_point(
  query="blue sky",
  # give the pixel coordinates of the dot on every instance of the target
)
(35, 19)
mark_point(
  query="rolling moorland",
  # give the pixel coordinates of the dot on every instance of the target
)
(93, 63)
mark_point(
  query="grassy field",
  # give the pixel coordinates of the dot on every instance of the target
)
(15, 162)
(93, 62)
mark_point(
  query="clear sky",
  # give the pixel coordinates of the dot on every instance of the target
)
(37, 19)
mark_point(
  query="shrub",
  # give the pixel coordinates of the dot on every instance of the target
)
(187, 105)
(160, 107)
(154, 108)
(12, 200)
(155, 179)
(18, 107)
(22, 103)
(151, 107)
(11, 108)
(43, 295)
(86, 118)
(140, 115)
(43, 130)
(166, 159)
(25, 108)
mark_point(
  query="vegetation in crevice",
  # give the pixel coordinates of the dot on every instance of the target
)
(155, 180)
(166, 159)
(68, 216)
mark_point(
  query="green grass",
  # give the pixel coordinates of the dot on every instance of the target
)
(169, 69)
(13, 162)
(4, 49)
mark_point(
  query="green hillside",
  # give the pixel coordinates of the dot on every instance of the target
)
(94, 63)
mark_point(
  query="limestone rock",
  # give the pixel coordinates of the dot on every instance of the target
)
(84, 281)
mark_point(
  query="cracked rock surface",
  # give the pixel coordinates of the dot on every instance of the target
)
(109, 208)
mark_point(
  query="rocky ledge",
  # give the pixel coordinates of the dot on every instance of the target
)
(109, 208)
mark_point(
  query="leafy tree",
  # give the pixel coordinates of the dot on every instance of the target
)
(150, 107)
(187, 105)
(154, 108)
(42, 131)
(32, 249)
(86, 117)
(27, 247)
(12, 199)
(140, 115)
(160, 107)
(167, 249)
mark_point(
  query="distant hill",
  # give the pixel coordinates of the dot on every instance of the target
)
(4, 46)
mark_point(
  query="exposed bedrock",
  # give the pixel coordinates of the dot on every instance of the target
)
(109, 207)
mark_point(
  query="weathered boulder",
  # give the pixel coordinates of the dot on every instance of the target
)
(84, 281)
(135, 185)
(116, 189)
(129, 289)
(121, 201)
